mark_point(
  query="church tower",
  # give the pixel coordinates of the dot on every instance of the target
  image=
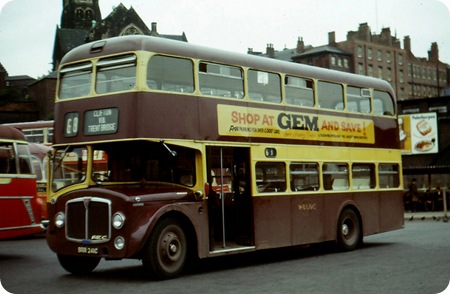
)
(80, 14)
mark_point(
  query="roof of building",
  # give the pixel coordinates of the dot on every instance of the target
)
(322, 50)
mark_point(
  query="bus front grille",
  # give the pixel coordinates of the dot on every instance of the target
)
(88, 220)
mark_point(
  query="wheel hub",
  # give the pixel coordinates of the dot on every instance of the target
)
(345, 229)
(170, 246)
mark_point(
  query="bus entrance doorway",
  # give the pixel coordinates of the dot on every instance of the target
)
(230, 205)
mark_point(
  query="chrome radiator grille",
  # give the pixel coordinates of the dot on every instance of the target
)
(88, 220)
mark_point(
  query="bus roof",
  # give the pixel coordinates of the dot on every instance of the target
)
(31, 124)
(123, 44)
(11, 133)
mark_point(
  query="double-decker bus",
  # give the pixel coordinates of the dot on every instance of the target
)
(20, 210)
(165, 150)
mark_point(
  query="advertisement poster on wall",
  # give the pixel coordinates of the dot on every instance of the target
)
(418, 133)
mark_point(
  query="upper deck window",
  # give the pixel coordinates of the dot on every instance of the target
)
(358, 100)
(170, 74)
(299, 91)
(116, 74)
(221, 80)
(383, 103)
(330, 95)
(75, 80)
(264, 86)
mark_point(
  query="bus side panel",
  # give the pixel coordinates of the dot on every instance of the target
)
(272, 221)
(307, 219)
(391, 211)
(19, 209)
(369, 206)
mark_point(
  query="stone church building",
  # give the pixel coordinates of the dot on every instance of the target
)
(81, 22)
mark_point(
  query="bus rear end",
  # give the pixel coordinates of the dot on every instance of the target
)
(20, 211)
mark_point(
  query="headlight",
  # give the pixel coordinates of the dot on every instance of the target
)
(59, 219)
(118, 220)
(119, 243)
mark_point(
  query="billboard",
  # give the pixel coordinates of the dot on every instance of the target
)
(418, 133)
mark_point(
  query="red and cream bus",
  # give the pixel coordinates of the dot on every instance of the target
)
(20, 209)
(40, 135)
(207, 153)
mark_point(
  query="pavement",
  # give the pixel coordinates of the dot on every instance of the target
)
(423, 215)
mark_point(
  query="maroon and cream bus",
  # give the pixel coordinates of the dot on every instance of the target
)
(165, 150)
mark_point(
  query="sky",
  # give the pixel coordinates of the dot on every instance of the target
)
(27, 27)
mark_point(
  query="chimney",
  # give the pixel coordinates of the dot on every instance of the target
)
(270, 51)
(364, 32)
(332, 38)
(154, 30)
(407, 43)
(300, 46)
(433, 54)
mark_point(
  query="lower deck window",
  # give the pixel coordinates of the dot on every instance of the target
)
(271, 177)
(335, 176)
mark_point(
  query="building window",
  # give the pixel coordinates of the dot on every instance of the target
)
(409, 69)
(89, 14)
(360, 69)
(131, 29)
(400, 59)
(346, 65)
(360, 52)
(388, 57)
(333, 60)
(369, 53)
(370, 73)
(380, 72)
(79, 13)
(389, 74)
(379, 55)
(400, 76)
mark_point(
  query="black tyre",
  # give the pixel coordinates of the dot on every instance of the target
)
(167, 250)
(78, 265)
(349, 233)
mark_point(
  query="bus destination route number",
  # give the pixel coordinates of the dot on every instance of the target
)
(101, 121)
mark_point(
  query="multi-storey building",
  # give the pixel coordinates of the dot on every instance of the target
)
(377, 55)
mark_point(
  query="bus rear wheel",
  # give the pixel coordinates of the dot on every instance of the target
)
(349, 233)
(167, 250)
(78, 265)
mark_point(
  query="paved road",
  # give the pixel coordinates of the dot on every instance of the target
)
(413, 260)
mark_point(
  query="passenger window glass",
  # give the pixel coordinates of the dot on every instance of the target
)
(304, 176)
(358, 100)
(264, 86)
(388, 175)
(116, 74)
(299, 91)
(25, 166)
(221, 80)
(330, 95)
(335, 176)
(7, 158)
(75, 80)
(270, 177)
(383, 103)
(170, 74)
(363, 176)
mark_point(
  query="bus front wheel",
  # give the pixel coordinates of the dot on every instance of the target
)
(78, 265)
(349, 233)
(166, 252)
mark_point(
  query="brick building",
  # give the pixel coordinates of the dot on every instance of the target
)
(377, 55)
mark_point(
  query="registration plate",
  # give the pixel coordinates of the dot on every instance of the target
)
(87, 250)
